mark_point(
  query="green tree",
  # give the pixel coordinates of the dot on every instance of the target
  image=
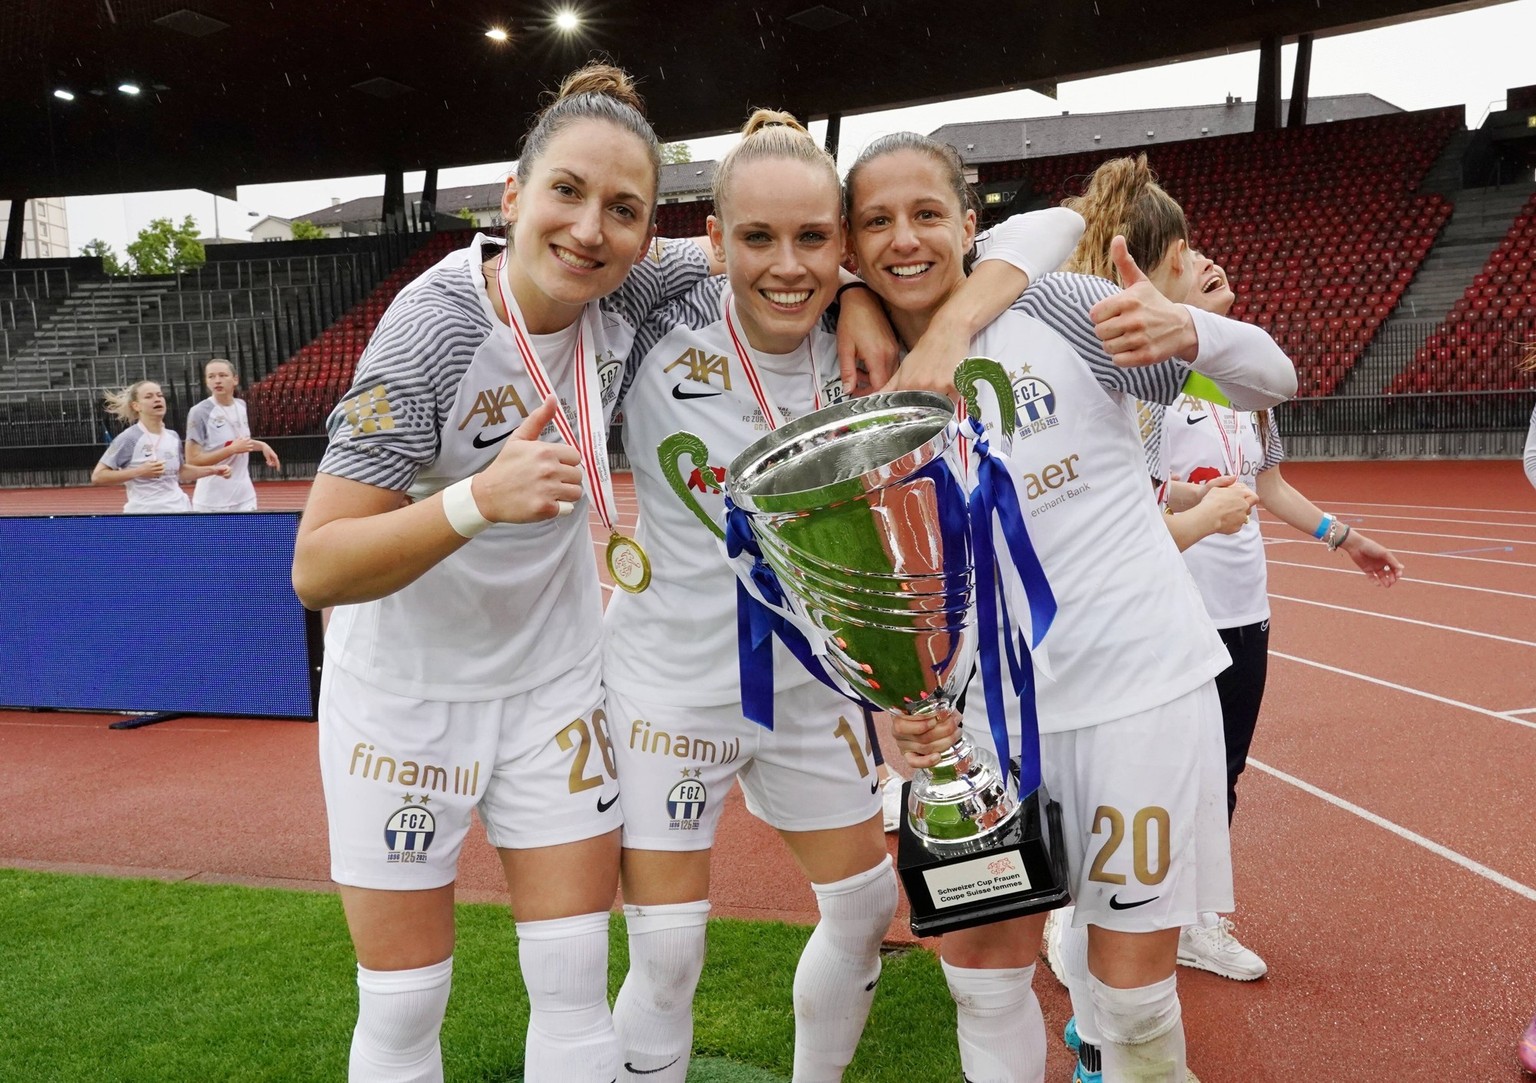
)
(163, 248)
(103, 251)
(465, 213)
(305, 230)
(676, 153)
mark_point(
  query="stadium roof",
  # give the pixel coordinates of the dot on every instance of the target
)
(1038, 137)
(237, 92)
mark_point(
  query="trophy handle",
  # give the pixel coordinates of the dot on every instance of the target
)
(669, 451)
(974, 370)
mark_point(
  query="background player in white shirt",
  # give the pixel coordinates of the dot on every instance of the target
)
(219, 430)
(145, 457)
(1130, 724)
(448, 525)
(1197, 441)
(734, 358)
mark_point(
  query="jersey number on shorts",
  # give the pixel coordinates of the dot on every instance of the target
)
(845, 731)
(578, 736)
(1141, 845)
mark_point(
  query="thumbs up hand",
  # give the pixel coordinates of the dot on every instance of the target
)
(1139, 326)
(530, 479)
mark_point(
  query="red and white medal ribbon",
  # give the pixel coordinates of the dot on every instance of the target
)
(765, 403)
(594, 455)
(627, 562)
(1226, 442)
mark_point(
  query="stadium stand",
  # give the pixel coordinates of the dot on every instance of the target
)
(1321, 228)
(1479, 344)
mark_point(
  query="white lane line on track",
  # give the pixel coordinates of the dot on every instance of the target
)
(1500, 715)
(1406, 620)
(1401, 832)
(1523, 710)
(1430, 507)
(1352, 570)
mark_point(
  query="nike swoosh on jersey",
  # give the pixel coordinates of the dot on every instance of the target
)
(679, 393)
(480, 441)
(604, 806)
(628, 1067)
(1195, 419)
(1116, 904)
(874, 786)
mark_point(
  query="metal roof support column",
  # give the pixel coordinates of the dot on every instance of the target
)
(392, 215)
(1266, 104)
(13, 231)
(834, 133)
(1301, 82)
(428, 209)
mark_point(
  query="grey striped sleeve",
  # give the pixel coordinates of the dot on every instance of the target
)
(119, 453)
(671, 268)
(387, 427)
(1149, 424)
(1061, 301)
(1274, 450)
(699, 307)
(197, 423)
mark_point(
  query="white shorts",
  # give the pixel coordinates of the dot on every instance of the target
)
(1144, 813)
(401, 776)
(814, 771)
(248, 505)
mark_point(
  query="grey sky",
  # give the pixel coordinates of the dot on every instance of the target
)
(1469, 59)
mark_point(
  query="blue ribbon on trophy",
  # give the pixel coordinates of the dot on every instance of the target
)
(995, 500)
(761, 614)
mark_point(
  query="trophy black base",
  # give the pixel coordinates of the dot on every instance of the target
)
(1022, 871)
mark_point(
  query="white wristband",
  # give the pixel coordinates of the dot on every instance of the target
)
(462, 511)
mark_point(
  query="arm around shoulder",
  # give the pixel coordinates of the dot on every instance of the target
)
(1241, 359)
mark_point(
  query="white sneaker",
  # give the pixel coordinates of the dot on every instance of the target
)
(1053, 925)
(1214, 948)
(891, 805)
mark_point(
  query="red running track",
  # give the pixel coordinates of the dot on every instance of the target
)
(1383, 844)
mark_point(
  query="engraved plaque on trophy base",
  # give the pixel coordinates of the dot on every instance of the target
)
(1023, 872)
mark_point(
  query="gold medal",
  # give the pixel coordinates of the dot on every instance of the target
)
(628, 564)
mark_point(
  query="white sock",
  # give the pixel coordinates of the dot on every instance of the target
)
(399, 1017)
(653, 1014)
(1143, 1032)
(839, 969)
(1210, 919)
(998, 1022)
(1074, 960)
(570, 1031)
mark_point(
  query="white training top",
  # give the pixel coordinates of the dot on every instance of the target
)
(438, 389)
(136, 445)
(1530, 451)
(211, 426)
(1200, 440)
(675, 641)
(1130, 632)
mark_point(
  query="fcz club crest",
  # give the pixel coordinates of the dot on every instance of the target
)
(408, 834)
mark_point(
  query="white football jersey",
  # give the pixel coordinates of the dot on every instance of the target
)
(134, 446)
(438, 389)
(675, 642)
(211, 426)
(1200, 440)
(1130, 631)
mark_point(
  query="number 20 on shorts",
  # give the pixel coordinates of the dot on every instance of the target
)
(1107, 819)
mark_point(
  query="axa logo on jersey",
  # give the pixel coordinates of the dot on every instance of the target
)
(490, 406)
(701, 365)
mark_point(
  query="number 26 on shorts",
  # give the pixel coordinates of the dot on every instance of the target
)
(578, 735)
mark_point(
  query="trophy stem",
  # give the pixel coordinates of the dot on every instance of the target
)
(961, 802)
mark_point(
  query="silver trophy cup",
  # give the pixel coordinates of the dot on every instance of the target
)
(860, 509)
